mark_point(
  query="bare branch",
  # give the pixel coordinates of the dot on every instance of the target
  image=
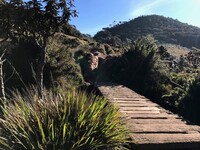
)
(16, 73)
(5, 39)
(2, 55)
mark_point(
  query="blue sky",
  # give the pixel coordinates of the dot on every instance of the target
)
(97, 14)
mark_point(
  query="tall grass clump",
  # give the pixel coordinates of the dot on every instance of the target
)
(61, 121)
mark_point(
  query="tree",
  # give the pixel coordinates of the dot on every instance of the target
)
(36, 21)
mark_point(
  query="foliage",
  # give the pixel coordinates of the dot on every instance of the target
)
(191, 102)
(60, 70)
(178, 89)
(61, 64)
(140, 68)
(35, 20)
(63, 120)
(146, 68)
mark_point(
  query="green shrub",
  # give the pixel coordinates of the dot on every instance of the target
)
(60, 69)
(190, 104)
(140, 68)
(64, 120)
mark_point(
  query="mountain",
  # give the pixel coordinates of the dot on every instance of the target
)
(164, 30)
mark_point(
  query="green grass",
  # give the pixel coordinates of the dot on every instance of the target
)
(64, 120)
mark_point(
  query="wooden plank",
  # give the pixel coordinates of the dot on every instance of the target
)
(139, 108)
(165, 138)
(150, 116)
(129, 98)
(167, 146)
(157, 121)
(139, 104)
(133, 101)
(163, 128)
(127, 102)
(140, 112)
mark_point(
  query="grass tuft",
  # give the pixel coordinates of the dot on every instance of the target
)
(62, 120)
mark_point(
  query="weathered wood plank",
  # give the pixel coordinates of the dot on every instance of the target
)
(163, 128)
(132, 102)
(139, 104)
(165, 138)
(132, 98)
(125, 100)
(157, 121)
(141, 112)
(167, 146)
(149, 116)
(139, 108)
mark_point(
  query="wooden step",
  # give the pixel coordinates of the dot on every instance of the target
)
(164, 128)
(157, 121)
(135, 104)
(139, 108)
(166, 141)
(140, 111)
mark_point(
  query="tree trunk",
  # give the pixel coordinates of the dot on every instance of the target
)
(40, 70)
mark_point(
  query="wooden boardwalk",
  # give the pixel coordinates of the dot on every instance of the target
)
(152, 127)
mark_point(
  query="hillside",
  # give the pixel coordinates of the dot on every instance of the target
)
(65, 53)
(176, 50)
(164, 30)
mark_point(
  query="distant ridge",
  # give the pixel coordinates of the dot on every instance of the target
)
(164, 30)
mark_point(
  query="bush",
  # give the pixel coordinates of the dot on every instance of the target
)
(190, 104)
(60, 121)
(60, 64)
(60, 69)
(140, 68)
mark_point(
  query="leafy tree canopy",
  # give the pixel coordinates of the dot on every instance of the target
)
(34, 19)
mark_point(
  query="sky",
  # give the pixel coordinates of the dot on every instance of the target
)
(93, 15)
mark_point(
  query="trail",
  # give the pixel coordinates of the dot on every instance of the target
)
(152, 127)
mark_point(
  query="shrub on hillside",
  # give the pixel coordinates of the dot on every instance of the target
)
(60, 68)
(179, 84)
(190, 104)
(141, 69)
(60, 62)
(64, 120)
